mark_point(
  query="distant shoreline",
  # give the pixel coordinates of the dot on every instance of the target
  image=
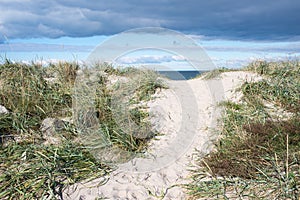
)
(181, 75)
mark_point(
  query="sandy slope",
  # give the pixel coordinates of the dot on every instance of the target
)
(185, 114)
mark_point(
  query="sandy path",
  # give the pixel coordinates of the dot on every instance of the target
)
(185, 114)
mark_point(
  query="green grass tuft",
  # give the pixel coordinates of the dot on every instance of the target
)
(33, 171)
(258, 154)
(213, 74)
(31, 168)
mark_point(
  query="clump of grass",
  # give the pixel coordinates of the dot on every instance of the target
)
(258, 154)
(28, 96)
(110, 69)
(215, 73)
(33, 169)
(29, 169)
(65, 72)
(280, 86)
(146, 83)
(120, 113)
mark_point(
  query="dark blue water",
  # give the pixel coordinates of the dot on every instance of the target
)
(180, 75)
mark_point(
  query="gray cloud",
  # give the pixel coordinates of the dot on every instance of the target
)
(247, 19)
(265, 47)
(32, 47)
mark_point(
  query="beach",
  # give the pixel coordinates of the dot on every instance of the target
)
(186, 114)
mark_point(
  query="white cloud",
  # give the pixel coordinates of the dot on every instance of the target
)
(149, 59)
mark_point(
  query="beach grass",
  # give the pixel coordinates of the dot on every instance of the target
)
(215, 73)
(31, 168)
(257, 155)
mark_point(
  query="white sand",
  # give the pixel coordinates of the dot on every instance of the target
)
(185, 114)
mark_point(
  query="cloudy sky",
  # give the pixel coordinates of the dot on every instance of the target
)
(231, 31)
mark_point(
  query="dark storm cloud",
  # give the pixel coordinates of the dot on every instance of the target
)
(244, 19)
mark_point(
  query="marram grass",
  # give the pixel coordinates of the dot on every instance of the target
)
(30, 168)
(258, 154)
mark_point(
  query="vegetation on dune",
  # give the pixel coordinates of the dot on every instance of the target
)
(29, 97)
(34, 171)
(120, 110)
(31, 168)
(215, 73)
(257, 155)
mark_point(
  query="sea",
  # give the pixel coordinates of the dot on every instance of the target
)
(180, 75)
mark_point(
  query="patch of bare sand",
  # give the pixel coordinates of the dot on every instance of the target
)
(185, 114)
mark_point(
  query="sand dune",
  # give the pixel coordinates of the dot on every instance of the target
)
(186, 115)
